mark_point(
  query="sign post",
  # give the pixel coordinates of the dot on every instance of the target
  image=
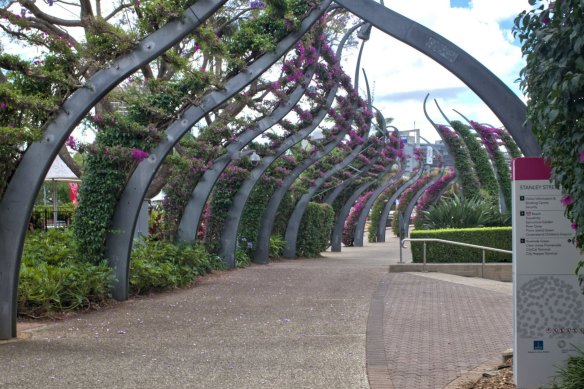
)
(548, 305)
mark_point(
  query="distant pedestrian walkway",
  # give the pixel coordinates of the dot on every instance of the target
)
(291, 324)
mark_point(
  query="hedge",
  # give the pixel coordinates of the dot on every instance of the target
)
(315, 230)
(496, 237)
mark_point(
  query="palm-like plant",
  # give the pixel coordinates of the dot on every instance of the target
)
(457, 212)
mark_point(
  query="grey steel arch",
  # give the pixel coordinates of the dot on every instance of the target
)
(119, 242)
(191, 217)
(501, 198)
(502, 203)
(269, 215)
(291, 235)
(360, 226)
(385, 213)
(337, 233)
(228, 239)
(406, 216)
(330, 199)
(498, 97)
(17, 202)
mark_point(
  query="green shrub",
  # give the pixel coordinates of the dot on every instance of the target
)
(315, 230)
(52, 278)
(572, 375)
(277, 246)
(497, 237)
(242, 258)
(456, 212)
(157, 265)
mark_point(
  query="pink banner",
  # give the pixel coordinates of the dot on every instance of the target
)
(73, 190)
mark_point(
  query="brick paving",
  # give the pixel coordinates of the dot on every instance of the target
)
(436, 331)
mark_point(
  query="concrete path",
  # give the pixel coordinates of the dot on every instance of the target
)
(318, 323)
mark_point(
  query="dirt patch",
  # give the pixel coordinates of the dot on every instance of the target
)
(502, 378)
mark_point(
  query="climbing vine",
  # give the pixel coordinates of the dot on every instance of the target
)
(480, 158)
(470, 184)
(489, 136)
(378, 208)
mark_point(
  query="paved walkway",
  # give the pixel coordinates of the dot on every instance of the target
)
(318, 323)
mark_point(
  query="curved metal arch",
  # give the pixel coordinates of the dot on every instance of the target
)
(191, 216)
(330, 199)
(443, 190)
(388, 205)
(498, 97)
(360, 226)
(291, 235)
(269, 215)
(406, 216)
(502, 202)
(337, 233)
(491, 167)
(119, 242)
(17, 202)
(228, 239)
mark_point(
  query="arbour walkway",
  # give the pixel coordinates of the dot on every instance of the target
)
(290, 324)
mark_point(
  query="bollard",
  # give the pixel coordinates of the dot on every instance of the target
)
(424, 257)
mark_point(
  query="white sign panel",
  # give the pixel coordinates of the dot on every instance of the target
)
(429, 155)
(548, 305)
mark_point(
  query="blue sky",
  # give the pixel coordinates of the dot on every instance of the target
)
(460, 3)
(402, 76)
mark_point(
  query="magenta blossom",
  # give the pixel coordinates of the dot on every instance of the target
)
(581, 156)
(574, 226)
(72, 143)
(139, 155)
(567, 200)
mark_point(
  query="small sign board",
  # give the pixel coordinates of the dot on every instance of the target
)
(548, 305)
(429, 155)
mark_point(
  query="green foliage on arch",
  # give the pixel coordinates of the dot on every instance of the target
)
(480, 158)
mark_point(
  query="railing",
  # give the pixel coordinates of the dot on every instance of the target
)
(42, 219)
(425, 240)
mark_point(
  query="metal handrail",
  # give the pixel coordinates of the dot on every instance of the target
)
(425, 240)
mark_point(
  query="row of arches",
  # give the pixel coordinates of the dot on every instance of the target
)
(18, 199)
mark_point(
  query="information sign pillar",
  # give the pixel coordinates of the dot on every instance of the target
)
(548, 305)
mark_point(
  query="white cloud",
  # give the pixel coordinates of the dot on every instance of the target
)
(398, 70)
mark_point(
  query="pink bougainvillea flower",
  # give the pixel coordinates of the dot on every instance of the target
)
(139, 155)
(581, 156)
(567, 200)
(574, 226)
(72, 143)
